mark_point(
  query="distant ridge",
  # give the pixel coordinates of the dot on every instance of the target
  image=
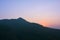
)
(21, 19)
(20, 29)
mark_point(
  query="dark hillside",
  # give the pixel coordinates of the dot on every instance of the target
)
(20, 29)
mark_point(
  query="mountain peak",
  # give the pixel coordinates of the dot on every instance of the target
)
(21, 19)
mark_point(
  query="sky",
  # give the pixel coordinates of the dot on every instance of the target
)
(45, 12)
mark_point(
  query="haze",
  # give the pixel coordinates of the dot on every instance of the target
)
(45, 12)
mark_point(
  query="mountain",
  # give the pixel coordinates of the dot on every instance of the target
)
(20, 29)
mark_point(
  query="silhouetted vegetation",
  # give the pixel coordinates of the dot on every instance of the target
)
(20, 29)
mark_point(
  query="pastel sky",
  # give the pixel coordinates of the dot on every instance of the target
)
(45, 12)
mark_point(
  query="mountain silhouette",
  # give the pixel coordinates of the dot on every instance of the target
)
(20, 29)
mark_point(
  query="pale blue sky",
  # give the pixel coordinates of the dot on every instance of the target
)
(41, 9)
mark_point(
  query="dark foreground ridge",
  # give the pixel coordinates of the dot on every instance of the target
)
(20, 29)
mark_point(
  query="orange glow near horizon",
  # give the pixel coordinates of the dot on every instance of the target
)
(42, 22)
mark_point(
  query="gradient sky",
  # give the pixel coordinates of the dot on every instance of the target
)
(45, 12)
